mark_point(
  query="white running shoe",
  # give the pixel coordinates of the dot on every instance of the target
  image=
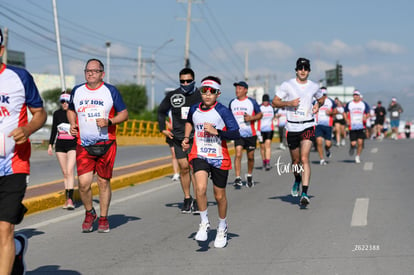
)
(221, 238)
(176, 177)
(323, 162)
(282, 146)
(343, 142)
(202, 234)
(357, 159)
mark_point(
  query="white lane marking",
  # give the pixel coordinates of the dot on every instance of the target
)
(368, 166)
(374, 150)
(82, 212)
(360, 214)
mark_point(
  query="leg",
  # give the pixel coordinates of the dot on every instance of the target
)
(185, 176)
(360, 142)
(221, 199)
(237, 160)
(85, 191)
(174, 161)
(7, 248)
(263, 152)
(250, 161)
(70, 164)
(105, 194)
(268, 149)
(319, 145)
(201, 187)
(62, 159)
(305, 147)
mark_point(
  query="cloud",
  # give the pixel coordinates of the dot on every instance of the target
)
(335, 49)
(384, 47)
(272, 49)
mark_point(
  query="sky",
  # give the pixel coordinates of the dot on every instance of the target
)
(371, 39)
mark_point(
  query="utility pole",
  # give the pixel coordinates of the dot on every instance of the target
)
(139, 65)
(5, 40)
(59, 50)
(188, 19)
(187, 37)
(108, 61)
(246, 66)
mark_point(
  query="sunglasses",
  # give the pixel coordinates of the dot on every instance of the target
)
(213, 91)
(182, 81)
(64, 101)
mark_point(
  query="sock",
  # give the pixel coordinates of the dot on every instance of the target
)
(298, 178)
(71, 194)
(222, 223)
(305, 189)
(67, 193)
(18, 246)
(204, 216)
(264, 162)
(92, 211)
(249, 175)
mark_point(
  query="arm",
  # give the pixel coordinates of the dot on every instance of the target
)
(72, 121)
(278, 103)
(119, 118)
(21, 134)
(186, 141)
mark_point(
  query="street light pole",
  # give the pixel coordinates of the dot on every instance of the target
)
(153, 71)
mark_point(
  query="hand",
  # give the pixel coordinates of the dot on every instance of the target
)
(50, 150)
(20, 135)
(73, 130)
(168, 134)
(102, 122)
(209, 128)
(315, 108)
(185, 144)
(295, 102)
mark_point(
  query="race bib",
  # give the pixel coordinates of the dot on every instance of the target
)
(339, 116)
(63, 127)
(395, 114)
(184, 112)
(93, 113)
(210, 147)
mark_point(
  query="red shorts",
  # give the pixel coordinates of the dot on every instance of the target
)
(103, 165)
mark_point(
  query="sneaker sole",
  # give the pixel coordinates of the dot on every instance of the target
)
(103, 231)
(220, 246)
(304, 202)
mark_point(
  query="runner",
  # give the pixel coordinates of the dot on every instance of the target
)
(339, 124)
(94, 110)
(266, 128)
(356, 114)
(323, 130)
(395, 111)
(213, 124)
(179, 102)
(296, 95)
(281, 124)
(246, 111)
(19, 94)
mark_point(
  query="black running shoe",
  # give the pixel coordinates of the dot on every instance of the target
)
(188, 203)
(250, 182)
(238, 182)
(351, 150)
(19, 266)
(195, 208)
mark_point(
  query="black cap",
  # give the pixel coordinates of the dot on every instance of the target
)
(1, 38)
(241, 83)
(302, 63)
(265, 98)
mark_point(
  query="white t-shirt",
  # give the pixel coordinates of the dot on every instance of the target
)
(290, 90)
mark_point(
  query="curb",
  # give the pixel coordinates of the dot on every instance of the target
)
(57, 199)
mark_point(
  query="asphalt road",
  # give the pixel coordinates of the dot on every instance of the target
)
(45, 168)
(359, 222)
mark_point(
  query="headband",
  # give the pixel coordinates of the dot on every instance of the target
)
(210, 83)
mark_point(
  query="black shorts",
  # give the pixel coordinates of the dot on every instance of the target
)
(294, 138)
(65, 145)
(379, 121)
(340, 121)
(217, 175)
(169, 141)
(179, 153)
(267, 135)
(357, 134)
(12, 190)
(248, 143)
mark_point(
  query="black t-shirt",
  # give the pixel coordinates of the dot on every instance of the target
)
(179, 103)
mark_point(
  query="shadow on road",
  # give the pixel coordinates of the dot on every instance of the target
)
(52, 269)
(118, 220)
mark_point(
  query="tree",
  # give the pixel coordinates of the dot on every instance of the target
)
(135, 97)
